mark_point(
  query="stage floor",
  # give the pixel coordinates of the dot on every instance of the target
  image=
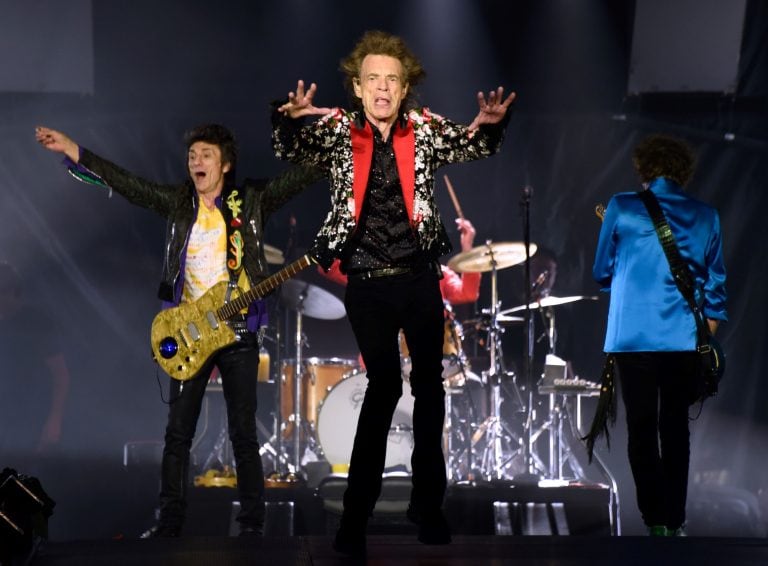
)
(406, 551)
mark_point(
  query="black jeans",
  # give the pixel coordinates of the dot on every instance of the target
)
(238, 368)
(377, 310)
(655, 388)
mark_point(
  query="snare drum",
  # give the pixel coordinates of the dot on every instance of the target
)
(317, 379)
(338, 416)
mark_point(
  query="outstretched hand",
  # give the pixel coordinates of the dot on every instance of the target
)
(300, 102)
(56, 141)
(493, 109)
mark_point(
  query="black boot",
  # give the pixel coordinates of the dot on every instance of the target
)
(350, 538)
(433, 528)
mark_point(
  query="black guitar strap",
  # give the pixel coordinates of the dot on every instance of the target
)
(681, 273)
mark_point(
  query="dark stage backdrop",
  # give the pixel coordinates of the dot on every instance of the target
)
(93, 260)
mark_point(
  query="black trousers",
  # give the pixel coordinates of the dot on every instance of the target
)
(655, 388)
(377, 310)
(238, 366)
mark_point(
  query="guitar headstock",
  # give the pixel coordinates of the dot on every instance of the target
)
(600, 211)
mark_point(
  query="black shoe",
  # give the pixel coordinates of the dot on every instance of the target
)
(161, 531)
(433, 528)
(350, 540)
(251, 531)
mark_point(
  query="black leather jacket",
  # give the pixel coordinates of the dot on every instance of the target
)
(179, 203)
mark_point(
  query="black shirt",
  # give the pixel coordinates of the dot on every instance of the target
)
(384, 236)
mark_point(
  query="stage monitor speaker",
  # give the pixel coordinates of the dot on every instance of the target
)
(686, 46)
(24, 511)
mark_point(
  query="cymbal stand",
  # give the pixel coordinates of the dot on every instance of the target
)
(299, 424)
(494, 461)
(297, 384)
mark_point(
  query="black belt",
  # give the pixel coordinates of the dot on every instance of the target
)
(391, 271)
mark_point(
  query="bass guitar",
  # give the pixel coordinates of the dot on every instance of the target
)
(184, 337)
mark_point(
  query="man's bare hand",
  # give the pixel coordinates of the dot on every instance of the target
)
(56, 141)
(300, 102)
(492, 109)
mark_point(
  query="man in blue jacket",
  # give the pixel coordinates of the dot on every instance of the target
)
(651, 329)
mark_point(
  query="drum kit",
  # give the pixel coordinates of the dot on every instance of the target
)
(319, 399)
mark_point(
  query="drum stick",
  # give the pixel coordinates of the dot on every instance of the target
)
(451, 192)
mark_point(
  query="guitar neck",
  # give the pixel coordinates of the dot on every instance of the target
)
(262, 288)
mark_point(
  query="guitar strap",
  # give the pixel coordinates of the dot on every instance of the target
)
(234, 221)
(681, 273)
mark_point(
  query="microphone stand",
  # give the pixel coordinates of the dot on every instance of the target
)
(530, 475)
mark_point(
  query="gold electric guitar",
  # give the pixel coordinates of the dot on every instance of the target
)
(184, 337)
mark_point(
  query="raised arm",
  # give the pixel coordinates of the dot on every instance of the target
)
(58, 142)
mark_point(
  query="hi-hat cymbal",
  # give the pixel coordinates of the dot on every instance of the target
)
(550, 302)
(486, 257)
(273, 255)
(484, 320)
(314, 301)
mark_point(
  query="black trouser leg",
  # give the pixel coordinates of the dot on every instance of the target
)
(655, 393)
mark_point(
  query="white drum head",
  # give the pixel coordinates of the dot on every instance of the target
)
(338, 416)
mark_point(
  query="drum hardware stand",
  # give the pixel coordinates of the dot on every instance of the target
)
(275, 446)
(300, 425)
(496, 432)
(452, 458)
(559, 450)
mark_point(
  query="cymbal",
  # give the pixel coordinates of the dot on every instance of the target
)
(550, 301)
(314, 301)
(274, 255)
(482, 258)
(484, 320)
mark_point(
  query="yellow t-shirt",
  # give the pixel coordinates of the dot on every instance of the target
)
(206, 262)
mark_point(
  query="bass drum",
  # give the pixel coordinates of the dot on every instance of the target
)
(338, 416)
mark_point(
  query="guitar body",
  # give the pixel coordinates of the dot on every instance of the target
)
(184, 337)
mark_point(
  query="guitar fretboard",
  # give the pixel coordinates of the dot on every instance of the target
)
(238, 304)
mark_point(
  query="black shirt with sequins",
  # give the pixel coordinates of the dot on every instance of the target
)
(384, 236)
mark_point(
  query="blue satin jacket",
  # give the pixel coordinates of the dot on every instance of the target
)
(647, 313)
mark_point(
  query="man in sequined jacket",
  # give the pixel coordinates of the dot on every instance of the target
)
(385, 228)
